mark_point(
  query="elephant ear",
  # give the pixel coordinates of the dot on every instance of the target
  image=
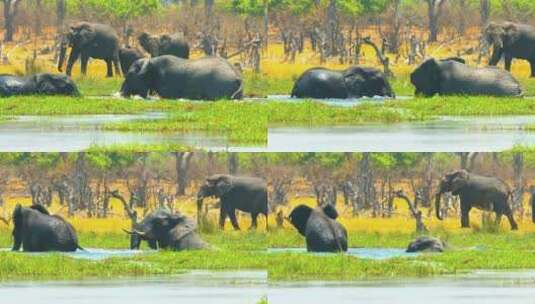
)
(427, 77)
(459, 179)
(299, 218)
(223, 185)
(510, 34)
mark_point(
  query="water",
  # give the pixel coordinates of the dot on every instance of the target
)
(477, 287)
(80, 132)
(448, 134)
(196, 287)
(93, 254)
(364, 253)
(350, 102)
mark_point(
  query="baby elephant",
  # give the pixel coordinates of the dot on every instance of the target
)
(38, 84)
(165, 230)
(37, 231)
(452, 77)
(427, 244)
(320, 228)
(354, 82)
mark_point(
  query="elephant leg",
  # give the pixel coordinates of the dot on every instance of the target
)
(222, 218)
(233, 220)
(73, 57)
(109, 66)
(465, 215)
(509, 214)
(498, 218)
(254, 217)
(85, 60)
(117, 64)
(532, 65)
(17, 242)
(508, 62)
(153, 244)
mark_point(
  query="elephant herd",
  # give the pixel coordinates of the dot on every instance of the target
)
(170, 73)
(36, 230)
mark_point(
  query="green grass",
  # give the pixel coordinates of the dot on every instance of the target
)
(233, 250)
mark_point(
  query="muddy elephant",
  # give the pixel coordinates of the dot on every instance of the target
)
(35, 230)
(127, 57)
(90, 40)
(319, 227)
(475, 191)
(38, 84)
(246, 194)
(354, 82)
(209, 78)
(426, 244)
(451, 77)
(163, 229)
(164, 45)
(511, 40)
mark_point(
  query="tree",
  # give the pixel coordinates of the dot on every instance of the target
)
(11, 8)
(434, 12)
(484, 11)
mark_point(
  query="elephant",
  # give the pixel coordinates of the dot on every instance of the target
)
(165, 230)
(426, 243)
(532, 203)
(35, 230)
(247, 194)
(90, 40)
(127, 57)
(482, 192)
(320, 228)
(451, 77)
(511, 40)
(208, 78)
(164, 45)
(38, 84)
(354, 82)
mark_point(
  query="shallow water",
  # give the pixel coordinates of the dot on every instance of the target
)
(364, 253)
(477, 287)
(94, 254)
(80, 132)
(350, 102)
(447, 134)
(196, 287)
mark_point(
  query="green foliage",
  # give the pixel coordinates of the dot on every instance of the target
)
(121, 10)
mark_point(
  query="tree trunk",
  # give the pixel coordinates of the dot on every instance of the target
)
(518, 191)
(366, 182)
(266, 24)
(10, 12)
(182, 169)
(332, 28)
(233, 163)
(394, 37)
(434, 11)
(38, 22)
(484, 11)
(463, 10)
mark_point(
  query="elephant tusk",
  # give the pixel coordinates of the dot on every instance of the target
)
(135, 232)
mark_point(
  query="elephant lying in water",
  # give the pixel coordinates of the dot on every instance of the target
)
(485, 193)
(165, 230)
(427, 244)
(35, 230)
(38, 84)
(209, 78)
(354, 82)
(320, 228)
(451, 77)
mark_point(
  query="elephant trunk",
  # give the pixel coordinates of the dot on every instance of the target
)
(437, 205)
